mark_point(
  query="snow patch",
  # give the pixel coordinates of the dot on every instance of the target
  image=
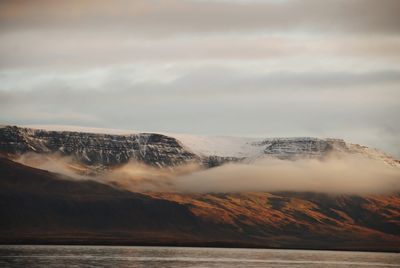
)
(72, 128)
(220, 145)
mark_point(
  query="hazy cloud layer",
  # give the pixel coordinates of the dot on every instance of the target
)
(346, 174)
(337, 174)
(253, 68)
(166, 17)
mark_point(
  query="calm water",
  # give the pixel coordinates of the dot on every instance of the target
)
(103, 256)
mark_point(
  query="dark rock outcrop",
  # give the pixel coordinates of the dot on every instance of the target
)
(97, 149)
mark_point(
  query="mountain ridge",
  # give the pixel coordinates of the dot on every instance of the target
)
(162, 150)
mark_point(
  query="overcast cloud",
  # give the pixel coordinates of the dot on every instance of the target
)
(244, 68)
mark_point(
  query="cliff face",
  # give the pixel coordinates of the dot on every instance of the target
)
(97, 149)
(301, 147)
(168, 151)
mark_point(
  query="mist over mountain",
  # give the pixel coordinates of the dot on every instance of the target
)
(188, 163)
(174, 189)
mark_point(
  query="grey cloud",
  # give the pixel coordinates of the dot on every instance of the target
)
(216, 101)
(254, 68)
(223, 79)
(172, 16)
(207, 78)
(40, 49)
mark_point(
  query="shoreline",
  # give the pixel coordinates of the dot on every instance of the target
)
(217, 244)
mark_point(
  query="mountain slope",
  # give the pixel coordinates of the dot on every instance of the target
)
(41, 207)
(37, 206)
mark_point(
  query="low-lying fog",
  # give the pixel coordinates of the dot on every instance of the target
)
(348, 174)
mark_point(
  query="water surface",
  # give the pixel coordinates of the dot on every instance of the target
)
(112, 256)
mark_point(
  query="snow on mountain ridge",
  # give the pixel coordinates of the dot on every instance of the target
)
(97, 149)
(238, 147)
(220, 145)
(71, 128)
(224, 146)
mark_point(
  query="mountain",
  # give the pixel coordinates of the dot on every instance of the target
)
(92, 149)
(38, 206)
(167, 151)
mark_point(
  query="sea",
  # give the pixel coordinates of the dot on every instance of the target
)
(178, 257)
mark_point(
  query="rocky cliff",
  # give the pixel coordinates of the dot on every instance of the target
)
(170, 150)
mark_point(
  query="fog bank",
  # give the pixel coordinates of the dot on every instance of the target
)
(344, 174)
(341, 174)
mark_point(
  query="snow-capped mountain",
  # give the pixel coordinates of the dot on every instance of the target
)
(112, 147)
(60, 202)
(94, 149)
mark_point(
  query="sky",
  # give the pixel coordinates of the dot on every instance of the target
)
(272, 68)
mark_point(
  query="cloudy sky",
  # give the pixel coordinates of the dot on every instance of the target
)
(226, 67)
